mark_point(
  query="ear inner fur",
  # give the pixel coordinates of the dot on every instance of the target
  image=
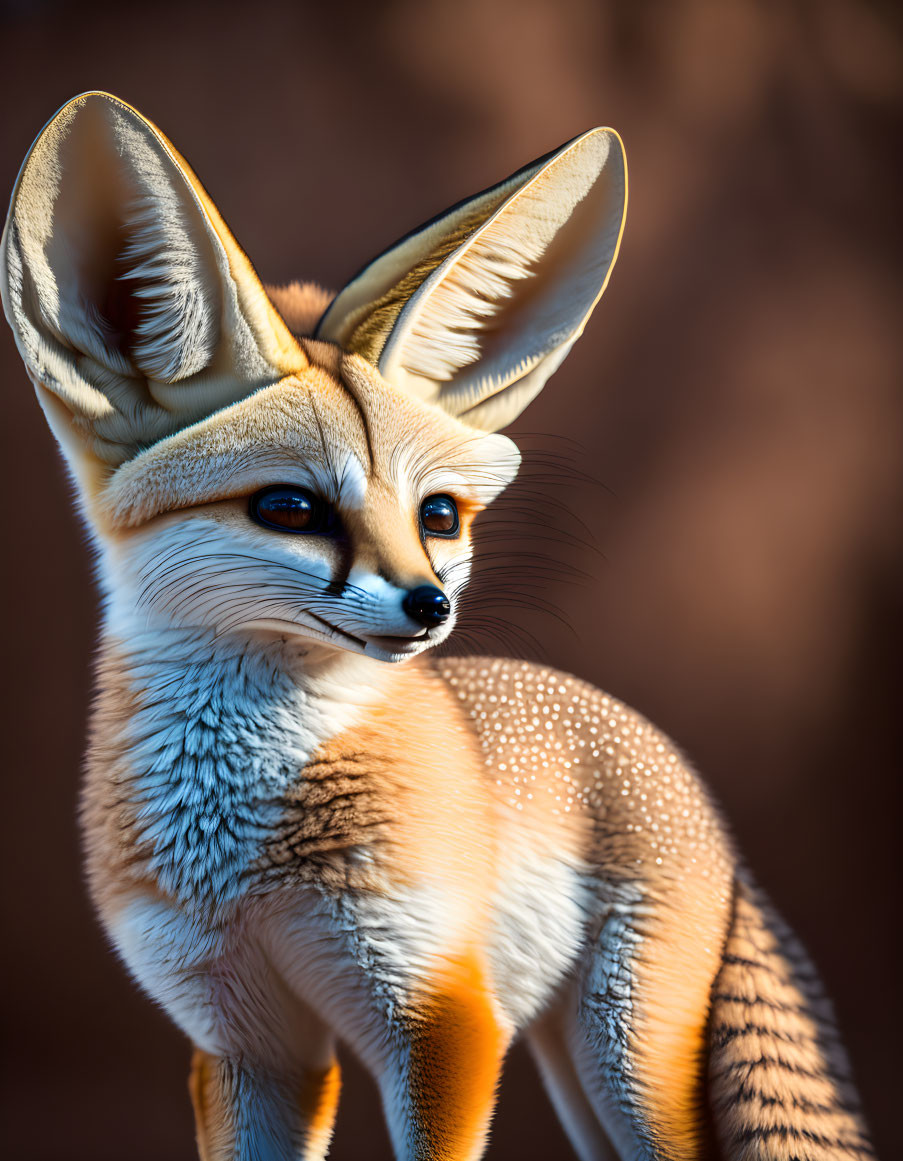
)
(488, 301)
(205, 333)
(370, 335)
(378, 278)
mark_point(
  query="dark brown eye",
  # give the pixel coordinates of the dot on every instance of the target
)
(290, 509)
(439, 516)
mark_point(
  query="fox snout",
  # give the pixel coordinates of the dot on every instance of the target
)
(428, 605)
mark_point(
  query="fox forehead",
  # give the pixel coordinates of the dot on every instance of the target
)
(334, 426)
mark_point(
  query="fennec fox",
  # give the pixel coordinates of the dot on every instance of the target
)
(299, 827)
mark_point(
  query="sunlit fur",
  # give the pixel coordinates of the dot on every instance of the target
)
(183, 551)
(297, 830)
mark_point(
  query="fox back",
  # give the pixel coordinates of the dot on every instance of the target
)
(300, 827)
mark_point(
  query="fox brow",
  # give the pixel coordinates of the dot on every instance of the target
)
(338, 473)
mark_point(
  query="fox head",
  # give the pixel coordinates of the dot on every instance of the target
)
(318, 481)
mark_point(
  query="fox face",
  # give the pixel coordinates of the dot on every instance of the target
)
(286, 513)
(318, 481)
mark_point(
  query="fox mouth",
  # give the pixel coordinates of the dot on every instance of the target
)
(373, 644)
(337, 631)
(405, 644)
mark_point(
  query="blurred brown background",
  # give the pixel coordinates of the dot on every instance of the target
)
(738, 394)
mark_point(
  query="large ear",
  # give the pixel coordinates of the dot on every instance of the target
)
(477, 308)
(135, 310)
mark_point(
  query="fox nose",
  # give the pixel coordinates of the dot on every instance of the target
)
(427, 605)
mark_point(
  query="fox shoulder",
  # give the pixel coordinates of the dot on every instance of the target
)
(557, 744)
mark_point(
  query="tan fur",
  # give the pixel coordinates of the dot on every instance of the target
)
(300, 304)
(116, 864)
(377, 784)
(191, 464)
(778, 1073)
(237, 449)
(269, 328)
(198, 1085)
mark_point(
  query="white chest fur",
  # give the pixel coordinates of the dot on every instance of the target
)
(220, 733)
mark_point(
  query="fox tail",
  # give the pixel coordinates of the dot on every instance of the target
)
(778, 1076)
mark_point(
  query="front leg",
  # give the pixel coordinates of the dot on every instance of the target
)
(265, 1081)
(439, 1085)
(247, 1112)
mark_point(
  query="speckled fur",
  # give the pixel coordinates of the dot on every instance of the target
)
(293, 839)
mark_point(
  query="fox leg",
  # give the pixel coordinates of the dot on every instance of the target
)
(439, 1085)
(550, 1047)
(265, 1082)
(677, 1048)
(245, 1113)
(638, 1024)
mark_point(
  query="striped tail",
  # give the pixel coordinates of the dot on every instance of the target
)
(778, 1076)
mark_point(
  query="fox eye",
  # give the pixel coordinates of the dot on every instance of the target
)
(439, 516)
(290, 509)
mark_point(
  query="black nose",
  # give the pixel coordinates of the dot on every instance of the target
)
(428, 605)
